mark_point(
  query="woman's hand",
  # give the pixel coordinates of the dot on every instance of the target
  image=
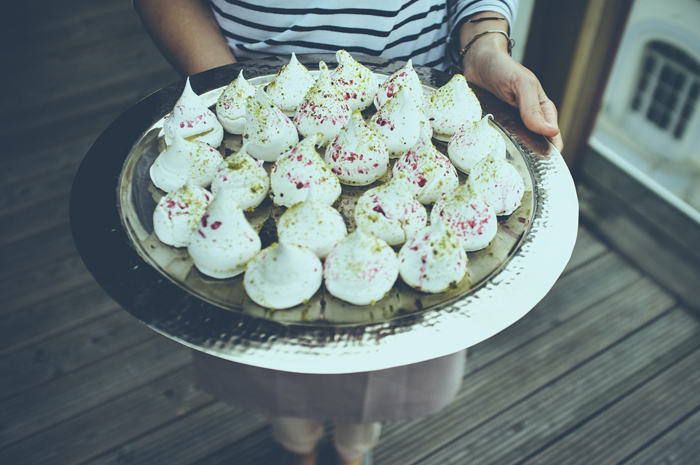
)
(488, 65)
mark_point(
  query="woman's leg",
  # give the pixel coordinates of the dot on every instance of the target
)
(352, 441)
(298, 435)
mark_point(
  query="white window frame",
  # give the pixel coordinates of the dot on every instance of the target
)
(651, 140)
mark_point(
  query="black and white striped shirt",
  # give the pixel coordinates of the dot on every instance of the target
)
(402, 29)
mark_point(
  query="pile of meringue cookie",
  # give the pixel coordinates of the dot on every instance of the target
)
(361, 267)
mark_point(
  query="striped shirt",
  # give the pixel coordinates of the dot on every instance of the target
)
(401, 29)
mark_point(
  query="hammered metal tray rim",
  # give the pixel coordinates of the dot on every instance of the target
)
(150, 297)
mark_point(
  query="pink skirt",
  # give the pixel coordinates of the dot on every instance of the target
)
(393, 394)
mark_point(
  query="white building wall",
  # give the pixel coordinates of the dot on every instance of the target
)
(672, 165)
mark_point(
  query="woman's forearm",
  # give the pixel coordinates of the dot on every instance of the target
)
(493, 42)
(186, 33)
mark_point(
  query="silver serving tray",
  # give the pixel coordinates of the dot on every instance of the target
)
(327, 335)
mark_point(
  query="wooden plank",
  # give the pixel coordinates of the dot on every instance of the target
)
(19, 167)
(34, 219)
(597, 384)
(70, 351)
(643, 243)
(64, 106)
(257, 448)
(171, 398)
(33, 411)
(122, 60)
(39, 284)
(575, 292)
(102, 24)
(498, 386)
(678, 446)
(586, 249)
(36, 251)
(190, 438)
(75, 11)
(123, 83)
(33, 323)
(38, 189)
(62, 131)
(635, 420)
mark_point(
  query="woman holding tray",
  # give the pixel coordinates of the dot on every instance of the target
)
(195, 36)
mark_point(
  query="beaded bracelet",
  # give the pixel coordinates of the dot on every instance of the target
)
(511, 42)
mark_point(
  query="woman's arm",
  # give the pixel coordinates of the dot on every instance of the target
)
(488, 65)
(186, 33)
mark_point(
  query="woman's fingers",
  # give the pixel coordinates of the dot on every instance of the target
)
(536, 110)
(516, 85)
(550, 115)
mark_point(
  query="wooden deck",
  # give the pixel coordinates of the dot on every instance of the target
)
(605, 370)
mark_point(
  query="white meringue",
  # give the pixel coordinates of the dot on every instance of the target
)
(246, 176)
(472, 142)
(361, 269)
(192, 120)
(289, 87)
(473, 220)
(224, 241)
(390, 212)
(282, 276)
(357, 83)
(296, 170)
(433, 260)
(429, 171)
(399, 123)
(404, 77)
(231, 105)
(312, 224)
(451, 106)
(177, 214)
(185, 160)
(268, 131)
(323, 110)
(357, 155)
(499, 182)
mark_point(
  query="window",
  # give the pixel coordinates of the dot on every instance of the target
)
(667, 89)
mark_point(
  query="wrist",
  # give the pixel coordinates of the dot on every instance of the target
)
(481, 53)
(482, 48)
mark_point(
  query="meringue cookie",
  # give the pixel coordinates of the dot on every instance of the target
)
(499, 182)
(224, 241)
(296, 170)
(361, 269)
(282, 276)
(185, 160)
(323, 110)
(399, 123)
(269, 132)
(451, 106)
(312, 224)
(246, 176)
(289, 87)
(472, 142)
(357, 155)
(429, 171)
(390, 212)
(231, 105)
(192, 120)
(177, 214)
(434, 260)
(466, 211)
(357, 83)
(404, 77)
